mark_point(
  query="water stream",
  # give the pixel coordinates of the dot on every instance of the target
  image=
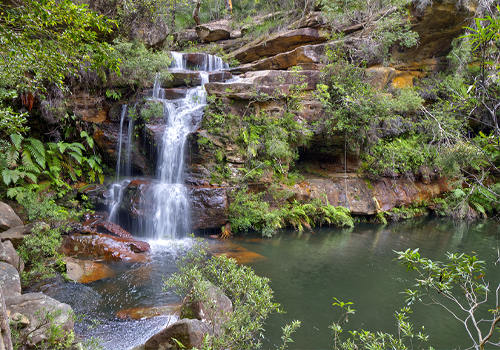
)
(306, 272)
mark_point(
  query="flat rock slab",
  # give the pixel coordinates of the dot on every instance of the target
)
(36, 307)
(9, 280)
(279, 43)
(8, 218)
(86, 271)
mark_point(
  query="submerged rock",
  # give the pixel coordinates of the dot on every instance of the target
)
(141, 313)
(86, 271)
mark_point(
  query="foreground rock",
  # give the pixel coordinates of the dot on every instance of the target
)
(215, 308)
(9, 280)
(16, 235)
(8, 218)
(189, 333)
(39, 309)
(9, 255)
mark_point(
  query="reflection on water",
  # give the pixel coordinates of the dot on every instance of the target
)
(306, 272)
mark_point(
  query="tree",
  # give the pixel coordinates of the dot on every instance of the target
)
(459, 282)
(45, 41)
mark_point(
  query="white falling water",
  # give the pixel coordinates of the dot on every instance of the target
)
(170, 217)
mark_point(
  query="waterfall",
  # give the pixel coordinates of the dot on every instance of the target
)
(170, 197)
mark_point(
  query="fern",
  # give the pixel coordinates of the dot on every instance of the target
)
(37, 150)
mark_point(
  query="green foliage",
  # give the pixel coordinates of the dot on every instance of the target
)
(46, 41)
(383, 24)
(251, 296)
(460, 281)
(398, 157)
(405, 339)
(357, 110)
(249, 211)
(139, 65)
(42, 244)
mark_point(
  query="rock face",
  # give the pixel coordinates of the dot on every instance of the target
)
(150, 32)
(9, 255)
(36, 307)
(8, 218)
(9, 280)
(188, 332)
(208, 207)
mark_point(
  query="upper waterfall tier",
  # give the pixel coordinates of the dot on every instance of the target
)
(197, 61)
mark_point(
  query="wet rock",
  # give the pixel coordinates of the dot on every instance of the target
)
(105, 247)
(94, 194)
(86, 271)
(215, 308)
(188, 332)
(9, 280)
(208, 207)
(106, 137)
(16, 235)
(8, 218)
(190, 78)
(149, 312)
(9, 255)
(279, 43)
(214, 31)
(39, 309)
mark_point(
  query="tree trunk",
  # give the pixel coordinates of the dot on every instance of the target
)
(5, 340)
(196, 13)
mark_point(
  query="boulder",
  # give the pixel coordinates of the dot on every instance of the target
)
(8, 218)
(152, 32)
(9, 280)
(214, 307)
(186, 36)
(279, 43)
(214, 31)
(189, 333)
(9, 255)
(16, 235)
(43, 313)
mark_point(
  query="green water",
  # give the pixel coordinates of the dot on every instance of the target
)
(358, 265)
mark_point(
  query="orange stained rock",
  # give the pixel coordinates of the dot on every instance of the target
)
(243, 257)
(149, 312)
